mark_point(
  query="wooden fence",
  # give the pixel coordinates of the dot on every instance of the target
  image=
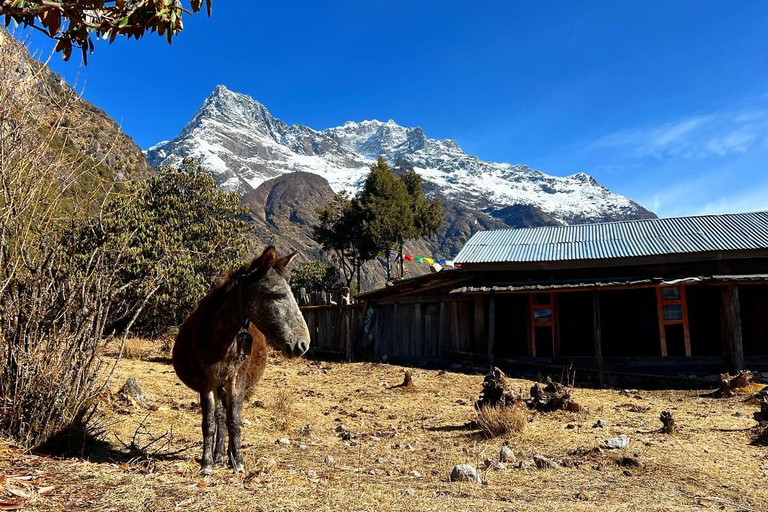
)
(336, 330)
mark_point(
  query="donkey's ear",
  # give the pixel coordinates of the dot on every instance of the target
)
(283, 262)
(266, 260)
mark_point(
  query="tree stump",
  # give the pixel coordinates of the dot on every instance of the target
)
(495, 391)
(132, 394)
(668, 422)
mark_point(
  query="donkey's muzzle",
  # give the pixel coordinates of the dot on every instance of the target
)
(296, 350)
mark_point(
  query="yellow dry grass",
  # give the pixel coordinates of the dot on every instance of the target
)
(427, 430)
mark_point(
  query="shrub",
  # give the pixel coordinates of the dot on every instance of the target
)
(500, 420)
(55, 293)
(184, 232)
(281, 409)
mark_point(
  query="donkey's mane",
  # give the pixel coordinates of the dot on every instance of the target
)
(222, 286)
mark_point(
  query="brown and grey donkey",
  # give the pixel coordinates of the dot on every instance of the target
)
(221, 349)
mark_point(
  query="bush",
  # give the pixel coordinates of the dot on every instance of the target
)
(184, 232)
(55, 294)
(500, 420)
(314, 276)
(281, 409)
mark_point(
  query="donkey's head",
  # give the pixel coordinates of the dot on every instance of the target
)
(268, 302)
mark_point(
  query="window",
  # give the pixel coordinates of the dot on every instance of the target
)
(673, 320)
(542, 331)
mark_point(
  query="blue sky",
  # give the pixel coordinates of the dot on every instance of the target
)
(665, 102)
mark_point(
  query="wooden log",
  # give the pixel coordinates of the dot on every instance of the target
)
(596, 322)
(491, 329)
(732, 326)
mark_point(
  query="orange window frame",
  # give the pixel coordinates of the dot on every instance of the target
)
(533, 323)
(664, 323)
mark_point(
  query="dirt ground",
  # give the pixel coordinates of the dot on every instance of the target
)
(403, 446)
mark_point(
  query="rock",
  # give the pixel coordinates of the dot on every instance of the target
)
(375, 438)
(259, 404)
(630, 462)
(340, 428)
(415, 474)
(524, 464)
(303, 447)
(283, 441)
(506, 454)
(570, 426)
(380, 460)
(492, 464)
(131, 393)
(312, 476)
(544, 463)
(464, 473)
(246, 423)
(330, 461)
(409, 492)
(599, 424)
(617, 443)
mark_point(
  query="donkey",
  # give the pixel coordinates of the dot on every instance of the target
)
(221, 348)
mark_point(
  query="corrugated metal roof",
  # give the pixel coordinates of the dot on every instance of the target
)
(624, 239)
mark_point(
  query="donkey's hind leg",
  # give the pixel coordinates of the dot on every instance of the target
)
(221, 427)
(208, 405)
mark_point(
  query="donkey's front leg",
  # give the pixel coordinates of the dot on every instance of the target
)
(235, 426)
(221, 427)
(208, 405)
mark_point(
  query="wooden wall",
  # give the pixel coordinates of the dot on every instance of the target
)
(431, 329)
(335, 329)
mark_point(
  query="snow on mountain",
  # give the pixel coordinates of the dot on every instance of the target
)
(237, 138)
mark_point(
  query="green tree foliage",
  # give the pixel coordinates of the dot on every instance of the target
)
(387, 212)
(314, 276)
(184, 232)
(427, 215)
(387, 208)
(342, 231)
(73, 22)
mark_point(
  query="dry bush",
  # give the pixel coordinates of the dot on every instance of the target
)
(281, 409)
(502, 420)
(55, 290)
(140, 348)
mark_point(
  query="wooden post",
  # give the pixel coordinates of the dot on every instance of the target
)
(662, 327)
(417, 340)
(348, 338)
(598, 337)
(686, 332)
(732, 326)
(479, 322)
(441, 330)
(491, 329)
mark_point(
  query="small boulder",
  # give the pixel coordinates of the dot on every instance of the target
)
(544, 463)
(464, 473)
(415, 474)
(617, 443)
(506, 454)
(330, 461)
(283, 441)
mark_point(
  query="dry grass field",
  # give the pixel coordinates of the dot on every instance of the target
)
(403, 445)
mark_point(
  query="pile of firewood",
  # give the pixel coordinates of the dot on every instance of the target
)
(730, 383)
(553, 396)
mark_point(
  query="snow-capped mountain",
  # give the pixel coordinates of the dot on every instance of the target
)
(235, 137)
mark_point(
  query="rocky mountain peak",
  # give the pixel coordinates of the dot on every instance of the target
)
(244, 145)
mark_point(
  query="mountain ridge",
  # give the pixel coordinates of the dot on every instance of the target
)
(243, 144)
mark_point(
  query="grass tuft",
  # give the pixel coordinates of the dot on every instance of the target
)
(501, 421)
